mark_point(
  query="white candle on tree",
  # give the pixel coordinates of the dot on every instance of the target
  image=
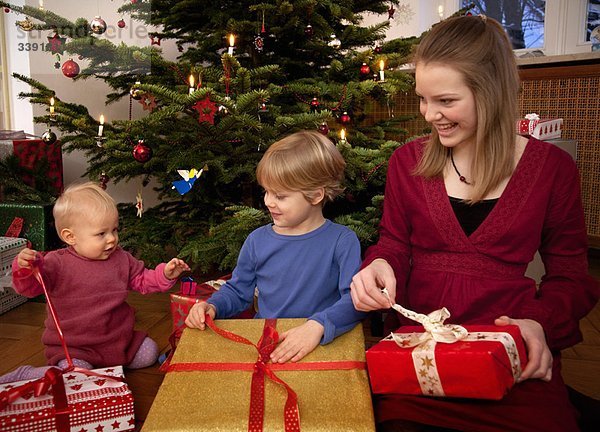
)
(231, 44)
(101, 127)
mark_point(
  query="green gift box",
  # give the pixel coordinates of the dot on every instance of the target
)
(38, 224)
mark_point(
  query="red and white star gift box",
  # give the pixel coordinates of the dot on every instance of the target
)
(539, 128)
(95, 404)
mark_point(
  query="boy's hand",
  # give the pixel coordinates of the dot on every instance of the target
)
(296, 343)
(26, 257)
(196, 318)
(175, 267)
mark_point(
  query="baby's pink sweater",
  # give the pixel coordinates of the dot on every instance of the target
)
(89, 297)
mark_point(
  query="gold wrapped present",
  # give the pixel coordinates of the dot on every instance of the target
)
(212, 381)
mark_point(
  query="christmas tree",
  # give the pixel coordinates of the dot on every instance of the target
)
(248, 73)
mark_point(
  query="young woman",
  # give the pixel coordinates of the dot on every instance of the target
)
(465, 211)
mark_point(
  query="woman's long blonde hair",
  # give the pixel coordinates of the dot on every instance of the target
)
(478, 48)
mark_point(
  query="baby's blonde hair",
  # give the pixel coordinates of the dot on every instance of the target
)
(303, 162)
(82, 201)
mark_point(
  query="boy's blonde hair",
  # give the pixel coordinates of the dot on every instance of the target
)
(304, 161)
(83, 201)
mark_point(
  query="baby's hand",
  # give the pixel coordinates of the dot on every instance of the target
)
(298, 342)
(196, 318)
(26, 257)
(175, 267)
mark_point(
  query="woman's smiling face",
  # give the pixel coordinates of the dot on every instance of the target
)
(447, 103)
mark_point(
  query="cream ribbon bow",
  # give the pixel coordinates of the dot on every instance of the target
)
(434, 326)
(532, 116)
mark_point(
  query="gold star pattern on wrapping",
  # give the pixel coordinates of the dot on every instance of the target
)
(427, 362)
(148, 102)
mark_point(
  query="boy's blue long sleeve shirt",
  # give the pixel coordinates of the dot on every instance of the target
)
(303, 276)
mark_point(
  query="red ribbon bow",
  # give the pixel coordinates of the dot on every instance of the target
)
(261, 369)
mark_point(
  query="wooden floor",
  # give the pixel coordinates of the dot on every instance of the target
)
(21, 330)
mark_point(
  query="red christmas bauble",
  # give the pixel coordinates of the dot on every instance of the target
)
(365, 70)
(7, 10)
(323, 128)
(141, 152)
(121, 23)
(314, 104)
(70, 69)
(377, 49)
(344, 118)
(308, 30)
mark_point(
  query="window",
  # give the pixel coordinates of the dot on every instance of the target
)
(523, 20)
(593, 19)
(553, 27)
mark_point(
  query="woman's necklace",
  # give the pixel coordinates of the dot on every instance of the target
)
(460, 176)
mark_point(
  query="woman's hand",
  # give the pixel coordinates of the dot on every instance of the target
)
(175, 267)
(26, 257)
(539, 357)
(367, 284)
(297, 342)
(197, 316)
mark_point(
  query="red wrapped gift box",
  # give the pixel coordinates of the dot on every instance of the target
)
(190, 293)
(30, 152)
(483, 365)
(539, 128)
(94, 403)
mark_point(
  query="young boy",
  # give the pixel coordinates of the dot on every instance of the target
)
(302, 263)
(88, 283)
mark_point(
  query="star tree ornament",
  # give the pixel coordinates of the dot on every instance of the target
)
(98, 25)
(141, 152)
(148, 102)
(56, 44)
(391, 11)
(206, 110)
(139, 203)
(259, 40)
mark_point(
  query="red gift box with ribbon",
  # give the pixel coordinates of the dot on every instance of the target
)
(226, 367)
(66, 400)
(33, 153)
(190, 293)
(477, 361)
(539, 128)
(89, 402)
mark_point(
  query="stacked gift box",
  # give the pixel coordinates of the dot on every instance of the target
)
(97, 400)
(37, 224)
(542, 129)
(9, 249)
(33, 154)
